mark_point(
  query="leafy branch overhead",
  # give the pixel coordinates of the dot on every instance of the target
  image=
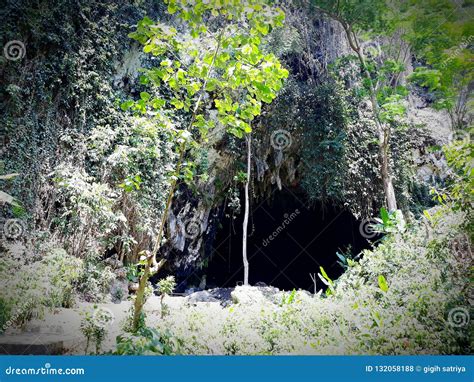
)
(219, 54)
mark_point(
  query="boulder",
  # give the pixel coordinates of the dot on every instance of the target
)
(201, 296)
(119, 290)
(113, 262)
(121, 273)
(221, 295)
(250, 295)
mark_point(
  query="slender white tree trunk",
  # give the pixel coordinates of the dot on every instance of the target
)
(246, 213)
(385, 171)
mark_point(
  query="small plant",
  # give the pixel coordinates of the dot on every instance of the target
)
(327, 281)
(390, 222)
(132, 273)
(18, 315)
(63, 272)
(5, 314)
(117, 293)
(147, 342)
(129, 326)
(128, 323)
(346, 258)
(165, 286)
(240, 177)
(290, 299)
(94, 327)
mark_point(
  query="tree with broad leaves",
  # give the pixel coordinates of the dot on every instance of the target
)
(216, 62)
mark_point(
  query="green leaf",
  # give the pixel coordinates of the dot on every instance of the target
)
(178, 104)
(144, 80)
(158, 103)
(247, 49)
(211, 85)
(323, 272)
(145, 96)
(383, 283)
(384, 215)
(427, 215)
(172, 8)
(126, 105)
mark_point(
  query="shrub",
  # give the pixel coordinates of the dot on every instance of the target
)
(95, 279)
(148, 342)
(29, 289)
(94, 327)
(87, 219)
(165, 286)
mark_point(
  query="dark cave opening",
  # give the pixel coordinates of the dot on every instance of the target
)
(288, 240)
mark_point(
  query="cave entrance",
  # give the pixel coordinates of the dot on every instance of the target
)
(288, 240)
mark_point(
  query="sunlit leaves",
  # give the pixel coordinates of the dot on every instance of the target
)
(364, 15)
(126, 105)
(259, 16)
(445, 51)
(429, 78)
(383, 285)
(131, 183)
(218, 64)
(177, 103)
(459, 155)
(392, 108)
(145, 96)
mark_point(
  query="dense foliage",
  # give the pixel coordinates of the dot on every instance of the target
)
(122, 146)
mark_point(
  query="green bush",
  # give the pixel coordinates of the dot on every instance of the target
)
(94, 327)
(95, 279)
(26, 291)
(148, 342)
(5, 314)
